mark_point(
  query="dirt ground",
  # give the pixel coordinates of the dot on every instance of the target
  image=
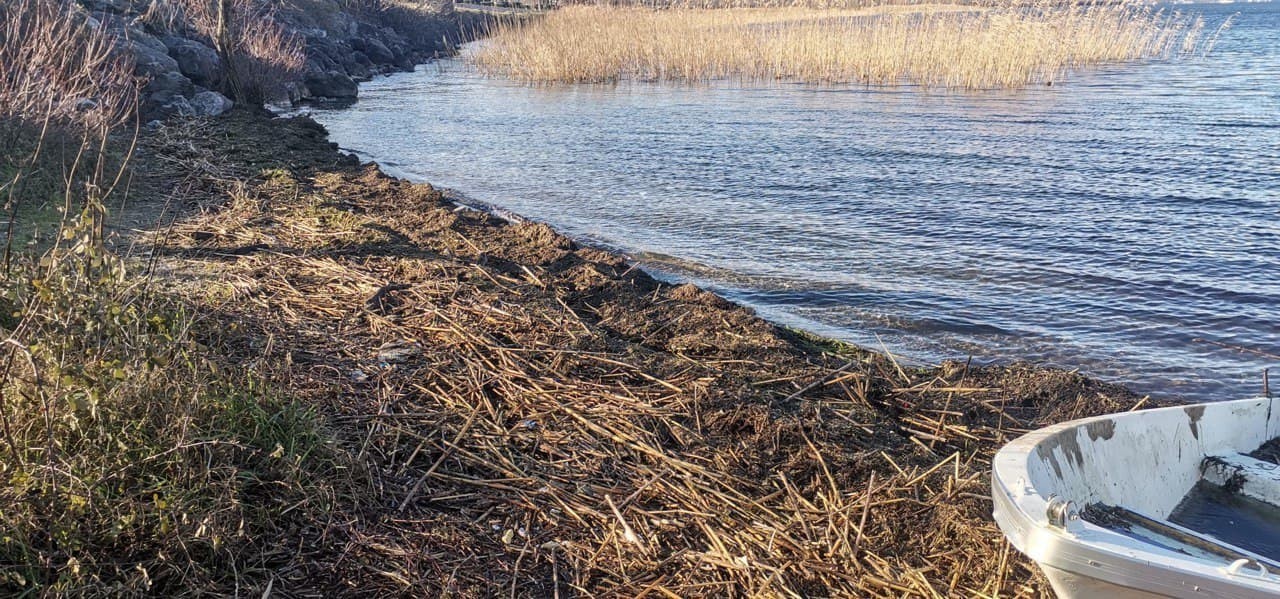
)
(524, 416)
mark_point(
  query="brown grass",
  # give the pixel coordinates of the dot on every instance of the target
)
(534, 418)
(936, 46)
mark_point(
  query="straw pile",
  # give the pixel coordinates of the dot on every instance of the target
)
(522, 416)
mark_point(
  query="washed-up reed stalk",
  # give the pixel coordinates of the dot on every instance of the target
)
(935, 46)
(536, 419)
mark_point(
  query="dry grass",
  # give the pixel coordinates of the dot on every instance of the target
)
(131, 462)
(936, 46)
(534, 418)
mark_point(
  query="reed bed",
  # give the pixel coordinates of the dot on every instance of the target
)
(933, 46)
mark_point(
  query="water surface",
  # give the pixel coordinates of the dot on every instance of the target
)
(1124, 222)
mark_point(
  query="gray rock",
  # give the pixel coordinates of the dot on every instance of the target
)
(174, 106)
(331, 85)
(359, 67)
(168, 84)
(149, 61)
(377, 51)
(397, 352)
(210, 103)
(135, 33)
(197, 61)
(296, 92)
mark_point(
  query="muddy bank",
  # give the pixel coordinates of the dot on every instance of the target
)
(519, 414)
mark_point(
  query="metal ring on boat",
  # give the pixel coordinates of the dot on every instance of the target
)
(1234, 568)
(1061, 512)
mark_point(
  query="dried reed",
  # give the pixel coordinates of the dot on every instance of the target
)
(936, 46)
(535, 419)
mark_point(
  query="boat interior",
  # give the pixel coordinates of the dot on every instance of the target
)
(1231, 513)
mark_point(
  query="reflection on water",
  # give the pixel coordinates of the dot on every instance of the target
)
(1121, 223)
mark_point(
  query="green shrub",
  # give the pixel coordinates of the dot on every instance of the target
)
(132, 458)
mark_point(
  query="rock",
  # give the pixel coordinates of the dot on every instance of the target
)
(359, 68)
(296, 91)
(149, 61)
(377, 51)
(210, 103)
(175, 106)
(197, 61)
(331, 85)
(397, 352)
(168, 84)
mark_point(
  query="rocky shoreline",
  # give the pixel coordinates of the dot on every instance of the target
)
(344, 43)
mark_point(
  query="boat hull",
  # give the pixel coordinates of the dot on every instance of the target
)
(1070, 585)
(1145, 463)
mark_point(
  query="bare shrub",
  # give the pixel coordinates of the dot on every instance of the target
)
(261, 57)
(56, 63)
(65, 88)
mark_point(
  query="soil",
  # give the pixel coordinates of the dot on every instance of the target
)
(527, 416)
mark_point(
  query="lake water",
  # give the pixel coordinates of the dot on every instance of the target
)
(1123, 222)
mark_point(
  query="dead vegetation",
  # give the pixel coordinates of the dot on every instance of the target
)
(320, 381)
(943, 46)
(526, 416)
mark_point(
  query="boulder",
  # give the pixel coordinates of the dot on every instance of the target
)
(377, 51)
(168, 84)
(331, 84)
(359, 67)
(210, 103)
(198, 62)
(148, 60)
(175, 106)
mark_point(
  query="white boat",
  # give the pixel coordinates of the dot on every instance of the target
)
(1171, 502)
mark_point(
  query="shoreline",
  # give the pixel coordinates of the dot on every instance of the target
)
(262, 366)
(365, 296)
(1173, 367)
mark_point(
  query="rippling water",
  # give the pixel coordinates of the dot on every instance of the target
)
(1121, 222)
